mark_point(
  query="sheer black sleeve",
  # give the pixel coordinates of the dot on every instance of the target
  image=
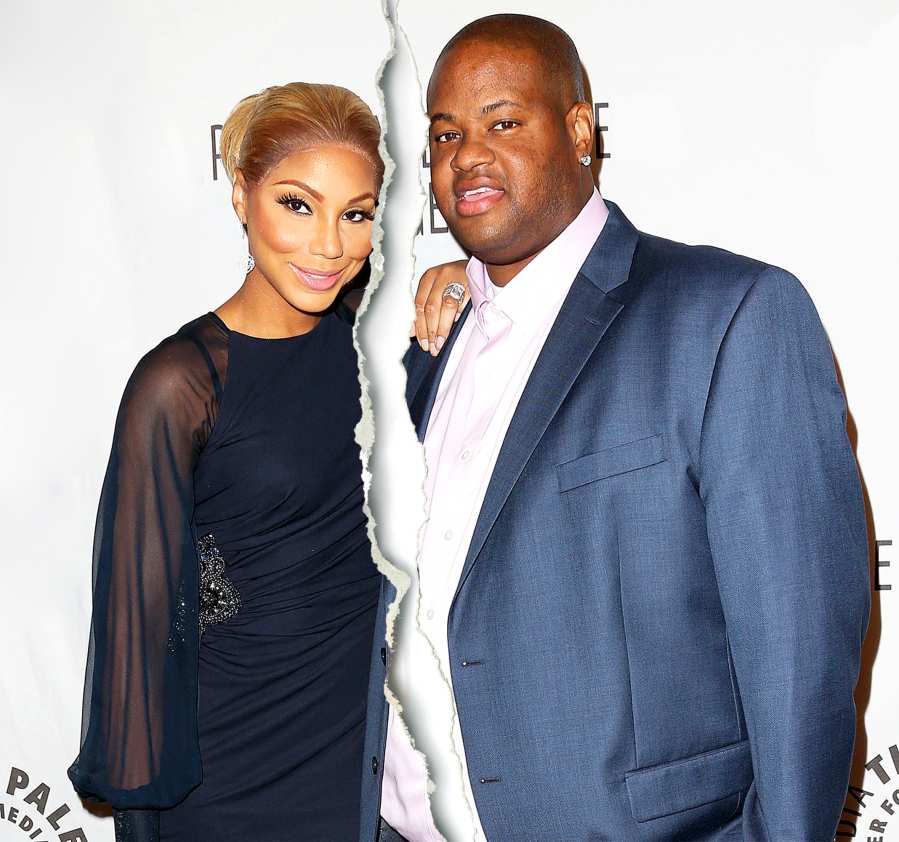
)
(139, 744)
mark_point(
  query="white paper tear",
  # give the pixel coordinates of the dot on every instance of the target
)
(393, 462)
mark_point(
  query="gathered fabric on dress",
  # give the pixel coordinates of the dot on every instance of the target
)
(234, 593)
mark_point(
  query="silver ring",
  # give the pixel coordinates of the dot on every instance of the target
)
(455, 290)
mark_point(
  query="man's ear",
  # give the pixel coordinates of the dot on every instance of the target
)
(580, 127)
(239, 197)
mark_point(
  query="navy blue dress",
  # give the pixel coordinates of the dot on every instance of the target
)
(234, 593)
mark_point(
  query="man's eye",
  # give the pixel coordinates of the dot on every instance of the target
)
(505, 124)
(443, 137)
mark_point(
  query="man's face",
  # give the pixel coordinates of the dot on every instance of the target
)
(504, 167)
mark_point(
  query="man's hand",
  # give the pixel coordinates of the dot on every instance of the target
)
(434, 314)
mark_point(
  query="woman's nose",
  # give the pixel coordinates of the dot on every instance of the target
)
(327, 241)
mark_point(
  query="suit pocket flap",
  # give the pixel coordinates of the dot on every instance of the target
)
(611, 461)
(661, 790)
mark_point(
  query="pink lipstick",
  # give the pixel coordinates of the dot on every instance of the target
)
(319, 281)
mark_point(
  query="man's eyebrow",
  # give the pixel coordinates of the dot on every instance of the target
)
(438, 116)
(500, 103)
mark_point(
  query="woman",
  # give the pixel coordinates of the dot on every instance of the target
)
(234, 589)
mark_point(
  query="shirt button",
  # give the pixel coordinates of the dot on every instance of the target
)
(465, 455)
(448, 534)
(430, 614)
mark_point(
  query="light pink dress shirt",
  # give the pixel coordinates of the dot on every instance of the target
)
(487, 370)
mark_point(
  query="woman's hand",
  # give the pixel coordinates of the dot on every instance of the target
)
(434, 314)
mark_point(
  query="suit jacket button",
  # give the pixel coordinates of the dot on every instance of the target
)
(374, 765)
(384, 655)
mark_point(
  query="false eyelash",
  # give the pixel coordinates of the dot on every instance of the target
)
(292, 197)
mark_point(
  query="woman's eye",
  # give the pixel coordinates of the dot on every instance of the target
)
(358, 216)
(296, 204)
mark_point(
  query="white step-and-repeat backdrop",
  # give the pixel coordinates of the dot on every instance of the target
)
(117, 228)
(766, 129)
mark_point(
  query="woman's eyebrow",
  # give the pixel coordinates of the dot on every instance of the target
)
(314, 193)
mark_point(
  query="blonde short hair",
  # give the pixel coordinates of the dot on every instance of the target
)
(265, 128)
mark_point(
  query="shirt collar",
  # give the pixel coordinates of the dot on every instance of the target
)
(545, 281)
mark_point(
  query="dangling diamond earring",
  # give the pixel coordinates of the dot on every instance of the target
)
(251, 262)
(585, 160)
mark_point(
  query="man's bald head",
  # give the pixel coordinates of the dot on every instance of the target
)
(550, 45)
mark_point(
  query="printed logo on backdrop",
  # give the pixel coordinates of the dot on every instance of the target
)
(215, 130)
(28, 807)
(872, 814)
(881, 580)
(868, 814)
(435, 222)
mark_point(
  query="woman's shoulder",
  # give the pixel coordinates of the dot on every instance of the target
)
(180, 367)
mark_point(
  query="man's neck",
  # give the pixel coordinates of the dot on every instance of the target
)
(501, 274)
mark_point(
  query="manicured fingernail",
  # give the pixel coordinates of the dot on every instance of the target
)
(439, 342)
(424, 344)
(456, 317)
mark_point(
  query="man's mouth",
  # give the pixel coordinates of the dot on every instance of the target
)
(479, 199)
(319, 281)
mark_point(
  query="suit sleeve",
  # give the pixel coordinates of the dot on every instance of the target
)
(407, 361)
(787, 530)
(139, 746)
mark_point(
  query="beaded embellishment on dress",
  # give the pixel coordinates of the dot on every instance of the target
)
(219, 599)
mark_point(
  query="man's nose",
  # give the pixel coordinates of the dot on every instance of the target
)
(326, 241)
(471, 153)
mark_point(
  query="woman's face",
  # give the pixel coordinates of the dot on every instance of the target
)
(309, 223)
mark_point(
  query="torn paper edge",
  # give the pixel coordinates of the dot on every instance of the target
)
(365, 430)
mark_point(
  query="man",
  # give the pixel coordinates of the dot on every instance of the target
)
(645, 559)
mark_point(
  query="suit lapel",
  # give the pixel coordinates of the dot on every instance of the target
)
(423, 399)
(583, 319)
(586, 314)
(588, 310)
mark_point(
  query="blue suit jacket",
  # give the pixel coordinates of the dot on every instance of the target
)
(657, 630)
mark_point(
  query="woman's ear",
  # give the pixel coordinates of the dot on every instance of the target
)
(239, 197)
